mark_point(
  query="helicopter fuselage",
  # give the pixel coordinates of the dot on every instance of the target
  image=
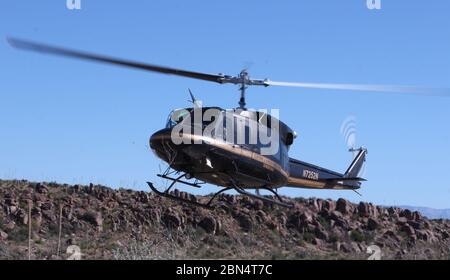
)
(219, 163)
(214, 159)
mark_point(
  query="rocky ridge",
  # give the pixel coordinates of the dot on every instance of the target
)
(126, 224)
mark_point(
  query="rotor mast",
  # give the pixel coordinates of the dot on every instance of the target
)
(244, 77)
(243, 80)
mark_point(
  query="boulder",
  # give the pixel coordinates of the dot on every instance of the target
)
(95, 218)
(300, 220)
(372, 224)
(261, 216)
(76, 188)
(407, 214)
(11, 201)
(9, 225)
(258, 204)
(335, 215)
(41, 188)
(392, 235)
(402, 221)
(245, 222)
(316, 203)
(346, 248)
(306, 217)
(320, 233)
(46, 206)
(415, 224)
(337, 219)
(343, 206)
(426, 235)
(408, 230)
(355, 247)
(3, 235)
(208, 223)
(171, 220)
(363, 209)
(416, 216)
(328, 205)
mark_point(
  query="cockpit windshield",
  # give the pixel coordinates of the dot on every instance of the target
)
(205, 116)
(176, 116)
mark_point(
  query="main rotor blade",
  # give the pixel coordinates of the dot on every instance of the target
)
(371, 88)
(38, 47)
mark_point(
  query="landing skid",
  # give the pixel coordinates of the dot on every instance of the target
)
(171, 196)
(278, 202)
(235, 187)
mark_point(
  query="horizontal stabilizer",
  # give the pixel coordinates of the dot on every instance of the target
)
(333, 180)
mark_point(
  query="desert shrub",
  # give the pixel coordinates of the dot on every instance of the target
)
(301, 242)
(277, 254)
(323, 222)
(19, 234)
(308, 237)
(357, 236)
(334, 237)
(144, 250)
(53, 229)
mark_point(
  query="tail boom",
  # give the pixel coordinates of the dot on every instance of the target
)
(309, 176)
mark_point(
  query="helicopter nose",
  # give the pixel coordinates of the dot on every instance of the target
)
(157, 141)
(157, 138)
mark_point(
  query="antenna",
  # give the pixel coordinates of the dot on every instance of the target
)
(193, 99)
(192, 96)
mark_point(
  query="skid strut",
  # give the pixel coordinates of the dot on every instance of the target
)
(263, 198)
(234, 186)
(242, 191)
(171, 196)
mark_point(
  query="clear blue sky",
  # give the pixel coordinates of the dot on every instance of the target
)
(78, 122)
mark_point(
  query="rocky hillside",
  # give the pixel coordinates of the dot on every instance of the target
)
(126, 224)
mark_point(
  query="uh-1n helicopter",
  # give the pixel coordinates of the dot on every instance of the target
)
(217, 157)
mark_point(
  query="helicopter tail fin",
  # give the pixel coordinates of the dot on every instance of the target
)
(357, 163)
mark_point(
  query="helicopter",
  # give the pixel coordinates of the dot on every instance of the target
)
(230, 158)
